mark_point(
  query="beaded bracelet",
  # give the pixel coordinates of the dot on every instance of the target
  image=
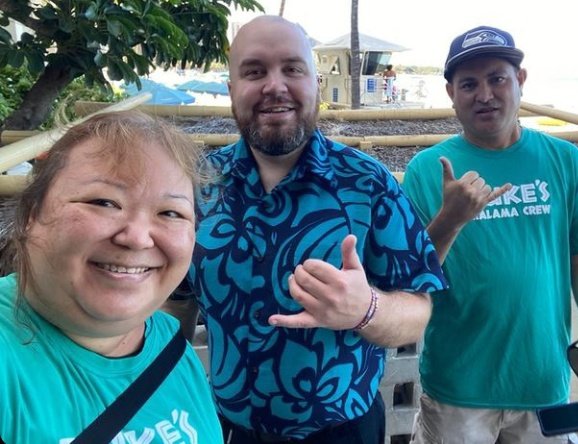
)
(370, 312)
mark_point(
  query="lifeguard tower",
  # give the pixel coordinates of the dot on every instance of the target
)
(334, 67)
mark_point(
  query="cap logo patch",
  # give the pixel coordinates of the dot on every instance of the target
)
(483, 36)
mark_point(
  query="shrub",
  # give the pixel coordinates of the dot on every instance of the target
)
(15, 82)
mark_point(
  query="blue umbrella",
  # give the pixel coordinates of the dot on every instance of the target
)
(199, 86)
(190, 85)
(161, 94)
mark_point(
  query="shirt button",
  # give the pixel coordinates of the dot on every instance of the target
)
(254, 370)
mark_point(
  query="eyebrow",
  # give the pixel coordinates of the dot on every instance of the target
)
(179, 196)
(124, 186)
(110, 182)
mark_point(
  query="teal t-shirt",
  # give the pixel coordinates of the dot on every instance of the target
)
(52, 389)
(497, 338)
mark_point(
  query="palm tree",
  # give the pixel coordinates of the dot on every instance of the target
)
(282, 8)
(355, 61)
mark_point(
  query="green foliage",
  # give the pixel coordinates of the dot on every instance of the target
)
(128, 38)
(79, 90)
(15, 82)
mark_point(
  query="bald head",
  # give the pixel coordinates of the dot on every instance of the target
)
(273, 86)
(266, 34)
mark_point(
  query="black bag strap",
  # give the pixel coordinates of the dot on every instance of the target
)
(104, 428)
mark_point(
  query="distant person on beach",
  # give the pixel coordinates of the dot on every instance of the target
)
(500, 203)
(102, 235)
(309, 260)
(389, 76)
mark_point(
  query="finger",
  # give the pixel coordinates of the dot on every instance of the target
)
(350, 258)
(447, 170)
(498, 192)
(313, 278)
(470, 177)
(310, 301)
(480, 183)
(299, 320)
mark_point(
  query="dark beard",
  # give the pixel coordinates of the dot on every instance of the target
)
(277, 143)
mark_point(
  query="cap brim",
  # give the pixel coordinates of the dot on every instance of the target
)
(513, 55)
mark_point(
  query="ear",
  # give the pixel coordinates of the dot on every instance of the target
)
(450, 90)
(30, 223)
(522, 75)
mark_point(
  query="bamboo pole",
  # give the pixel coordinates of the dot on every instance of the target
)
(395, 140)
(25, 145)
(10, 136)
(392, 140)
(550, 112)
(408, 140)
(29, 148)
(12, 185)
(83, 108)
(570, 136)
(387, 114)
(403, 140)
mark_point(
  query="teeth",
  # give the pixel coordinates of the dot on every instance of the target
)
(278, 110)
(121, 269)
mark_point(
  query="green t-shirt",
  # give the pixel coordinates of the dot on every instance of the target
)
(52, 388)
(498, 336)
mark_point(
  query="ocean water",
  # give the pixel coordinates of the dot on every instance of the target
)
(561, 92)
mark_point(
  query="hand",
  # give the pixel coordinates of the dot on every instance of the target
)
(465, 197)
(332, 298)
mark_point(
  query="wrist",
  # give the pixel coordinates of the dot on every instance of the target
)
(370, 311)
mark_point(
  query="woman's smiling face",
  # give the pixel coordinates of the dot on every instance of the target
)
(111, 240)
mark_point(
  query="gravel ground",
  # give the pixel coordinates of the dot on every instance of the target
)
(395, 158)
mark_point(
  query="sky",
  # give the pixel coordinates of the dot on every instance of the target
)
(544, 30)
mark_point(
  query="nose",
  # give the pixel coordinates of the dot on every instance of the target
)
(135, 233)
(485, 92)
(275, 83)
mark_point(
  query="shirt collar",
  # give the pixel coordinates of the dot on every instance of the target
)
(314, 160)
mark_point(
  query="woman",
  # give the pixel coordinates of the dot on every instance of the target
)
(103, 234)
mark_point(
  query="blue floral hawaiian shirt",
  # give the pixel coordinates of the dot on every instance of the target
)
(293, 382)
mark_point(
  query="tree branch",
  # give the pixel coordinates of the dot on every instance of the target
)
(21, 12)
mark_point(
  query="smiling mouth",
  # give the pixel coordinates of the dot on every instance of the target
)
(277, 109)
(486, 110)
(123, 269)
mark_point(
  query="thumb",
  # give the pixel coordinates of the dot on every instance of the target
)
(349, 254)
(447, 170)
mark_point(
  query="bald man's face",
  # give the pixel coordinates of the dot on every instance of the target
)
(273, 86)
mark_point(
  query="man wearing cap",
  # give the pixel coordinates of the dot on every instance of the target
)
(504, 198)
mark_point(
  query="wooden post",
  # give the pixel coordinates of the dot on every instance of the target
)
(31, 147)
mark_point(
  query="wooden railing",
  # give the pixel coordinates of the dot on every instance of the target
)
(21, 146)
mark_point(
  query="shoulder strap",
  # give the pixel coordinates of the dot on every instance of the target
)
(104, 428)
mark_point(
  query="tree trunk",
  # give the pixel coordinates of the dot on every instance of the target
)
(37, 102)
(355, 60)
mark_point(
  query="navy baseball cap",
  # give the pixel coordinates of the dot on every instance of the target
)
(482, 41)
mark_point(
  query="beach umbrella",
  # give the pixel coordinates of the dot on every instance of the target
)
(199, 86)
(161, 94)
(190, 85)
